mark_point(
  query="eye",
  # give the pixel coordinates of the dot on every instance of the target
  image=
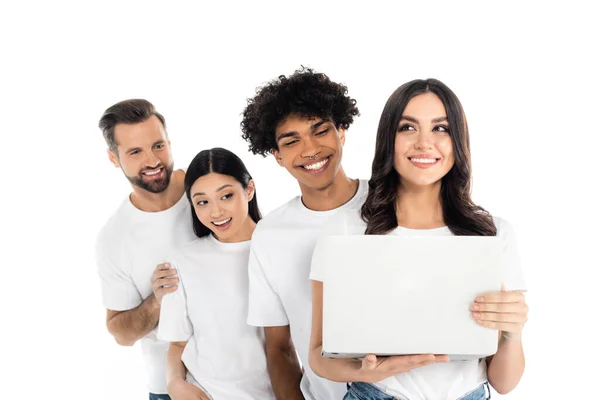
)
(406, 128)
(133, 153)
(323, 132)
(227, 196)
(291, 143)
(201, 203)
(160, 146)
(441, 128)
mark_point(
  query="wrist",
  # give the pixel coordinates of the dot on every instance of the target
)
(174, 384)
(154, 304)
(511, 335)
(363, 375)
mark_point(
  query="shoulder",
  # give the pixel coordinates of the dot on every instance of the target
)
(113, 230)
(277, 217)
(347, 221)
(503, 227)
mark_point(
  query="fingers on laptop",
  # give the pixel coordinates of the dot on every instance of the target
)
(514, 296)
(402, 363)
(504, 311)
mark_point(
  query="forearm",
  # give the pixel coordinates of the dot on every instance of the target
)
(507, 365)
(284, 370)
(129, 326)
(335, 369)
(175, 368)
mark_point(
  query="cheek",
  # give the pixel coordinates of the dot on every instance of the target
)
(401, 147)
(241, 205)
(203, 215)
(446, 149)
(131, 167)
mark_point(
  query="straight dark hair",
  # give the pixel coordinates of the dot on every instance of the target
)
(461, 215)
(219, 161)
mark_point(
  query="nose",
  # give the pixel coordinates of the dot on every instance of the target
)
(215, 210)
(424, 141)
(151, 160)
(311, 147)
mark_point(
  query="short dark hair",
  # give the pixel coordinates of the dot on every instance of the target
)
(131, 111)
(306, 93)
(220, 161)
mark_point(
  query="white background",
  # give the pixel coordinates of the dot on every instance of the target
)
(526, 73)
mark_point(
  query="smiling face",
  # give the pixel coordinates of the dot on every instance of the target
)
(423, 152)
(310, 149)
(221, 204)
(144, 154)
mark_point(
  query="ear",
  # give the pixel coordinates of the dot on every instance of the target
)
(342, 134)
(277, 157)
(114, 159)
(250, 190)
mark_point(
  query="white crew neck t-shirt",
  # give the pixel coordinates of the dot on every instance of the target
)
(128, 249)
(443, 381)
(224, 355)
(280, 291)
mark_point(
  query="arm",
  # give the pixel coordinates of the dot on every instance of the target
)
(506, 367)
(177, 386)
(265, 309)
(127, 327)
(337, 370)
(370, 369)
(176, 370)
(506, 312)
(282, 363)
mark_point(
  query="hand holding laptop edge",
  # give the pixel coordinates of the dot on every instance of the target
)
(505, 311)
(375, 369)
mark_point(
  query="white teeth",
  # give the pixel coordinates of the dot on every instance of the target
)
(219, 223)
(318, 165)
(423, 160)
(152, 172)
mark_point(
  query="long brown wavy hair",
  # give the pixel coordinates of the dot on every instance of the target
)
(461, 215)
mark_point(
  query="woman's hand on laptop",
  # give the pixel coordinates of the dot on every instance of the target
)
(503, 311)
(374, 369)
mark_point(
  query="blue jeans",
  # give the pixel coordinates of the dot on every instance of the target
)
(159, 397)
(365, 391)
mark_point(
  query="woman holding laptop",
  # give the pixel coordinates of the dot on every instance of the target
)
(420, 185)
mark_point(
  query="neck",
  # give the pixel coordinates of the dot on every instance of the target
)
(243, 234)
(419, 207)
(338, 193)
(155, 202)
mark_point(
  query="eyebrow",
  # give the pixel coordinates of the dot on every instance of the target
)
(218, 190)
(313, 128)
(413, 119)
(137, 148)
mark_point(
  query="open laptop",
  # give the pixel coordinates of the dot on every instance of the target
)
(395, 295)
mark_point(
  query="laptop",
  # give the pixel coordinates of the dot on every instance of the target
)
(394, 295)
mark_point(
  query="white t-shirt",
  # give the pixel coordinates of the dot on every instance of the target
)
(128, 249)
(280, 291)
(449, 380)
(224, 355)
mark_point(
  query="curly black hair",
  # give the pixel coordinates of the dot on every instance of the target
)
(306, 93)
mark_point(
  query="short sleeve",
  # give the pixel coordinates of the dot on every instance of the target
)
(513, 277)
(174, 324)
(119, 292)
(264, 304)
